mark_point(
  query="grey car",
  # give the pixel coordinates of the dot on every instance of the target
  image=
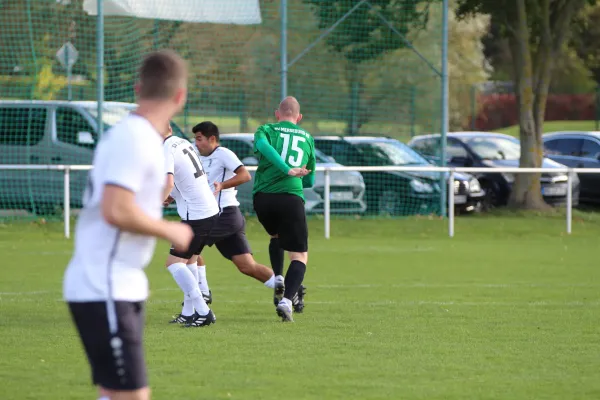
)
(39, 132)
(347, 188)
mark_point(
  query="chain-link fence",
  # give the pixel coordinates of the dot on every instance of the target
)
(357, 67)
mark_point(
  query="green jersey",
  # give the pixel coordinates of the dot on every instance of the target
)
(296, 148)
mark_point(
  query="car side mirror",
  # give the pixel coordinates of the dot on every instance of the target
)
(250, 161)
(85, 138)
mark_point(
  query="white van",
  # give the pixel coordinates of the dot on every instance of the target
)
(46, 133)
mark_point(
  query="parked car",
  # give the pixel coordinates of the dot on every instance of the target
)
(393, 192)
(46, 133)
(495, 150)
(577, 150)
(347, 188)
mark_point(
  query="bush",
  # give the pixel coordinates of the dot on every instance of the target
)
(500, 110)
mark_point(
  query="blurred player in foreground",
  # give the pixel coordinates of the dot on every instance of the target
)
(286, 166)
(105, 285)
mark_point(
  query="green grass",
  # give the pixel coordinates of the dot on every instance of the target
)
(508, 309)
(554, 126)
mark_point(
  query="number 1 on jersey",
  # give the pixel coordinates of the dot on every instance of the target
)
(192, 155)
(294, 162)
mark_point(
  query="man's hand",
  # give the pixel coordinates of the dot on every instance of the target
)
(168, 201)
(299, 172)
(218, 187)
(180, 235)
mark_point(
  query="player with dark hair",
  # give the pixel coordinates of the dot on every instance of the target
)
(104, 284)
(225, 172)
(286, 166)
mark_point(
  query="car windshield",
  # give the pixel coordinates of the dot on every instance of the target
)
(494, 148)
(111, 114)
(389, 153)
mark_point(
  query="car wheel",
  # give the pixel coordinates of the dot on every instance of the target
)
(490, 201)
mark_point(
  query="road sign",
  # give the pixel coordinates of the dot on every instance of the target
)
(67, 55)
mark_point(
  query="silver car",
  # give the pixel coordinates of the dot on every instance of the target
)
(347, 188)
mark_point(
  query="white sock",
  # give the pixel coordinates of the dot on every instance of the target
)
(194, 268)
(188, 308)
(185, 279)
(104, 398)
(202, 279)
(271, 282)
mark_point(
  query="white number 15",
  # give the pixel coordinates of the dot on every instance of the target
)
(297, 161)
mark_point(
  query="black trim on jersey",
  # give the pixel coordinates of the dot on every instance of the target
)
(238, 167)
(221, 191)
(167, 138)
(110, 302)
(170, 173)
(211, 153)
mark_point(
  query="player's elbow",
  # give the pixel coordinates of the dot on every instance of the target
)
(245, 176)
(112, 214)
(116, 206)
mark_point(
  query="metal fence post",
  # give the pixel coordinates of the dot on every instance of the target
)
(283, 48)
(569, 200)
(327, 209)
(67, 201)
(451, 204)
(100, 67)
(445, 102)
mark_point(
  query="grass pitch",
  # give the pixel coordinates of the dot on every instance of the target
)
(508, 309)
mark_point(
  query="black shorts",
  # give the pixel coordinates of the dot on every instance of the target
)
(117, 361)
(202, 228)
(283, 214)
(229, 234)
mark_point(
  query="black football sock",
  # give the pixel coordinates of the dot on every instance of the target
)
(276, 255)
(294, 278)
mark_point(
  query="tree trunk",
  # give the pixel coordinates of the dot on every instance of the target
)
(532, 83)
(354, 99)
(526, 190)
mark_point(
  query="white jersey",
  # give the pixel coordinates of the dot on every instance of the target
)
(108, 264)
(220, 165)
(194, 197)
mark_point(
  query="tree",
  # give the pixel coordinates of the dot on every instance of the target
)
(585, 39)
(536, 31)
(364, 35)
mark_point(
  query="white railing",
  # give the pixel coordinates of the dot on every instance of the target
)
(327, 171)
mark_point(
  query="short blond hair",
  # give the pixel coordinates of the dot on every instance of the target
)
(161, 74)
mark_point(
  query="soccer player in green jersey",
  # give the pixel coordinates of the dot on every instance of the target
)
(286, 165)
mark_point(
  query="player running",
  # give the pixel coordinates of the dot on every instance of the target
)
(225, 172)
(286, 166)
(104, 284)
(188, 185)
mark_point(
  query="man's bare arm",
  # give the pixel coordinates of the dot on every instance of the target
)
(119, 209)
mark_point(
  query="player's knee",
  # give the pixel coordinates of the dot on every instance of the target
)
(297, 256)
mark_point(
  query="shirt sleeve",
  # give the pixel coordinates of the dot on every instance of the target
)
(309, 180)
(230, 160)
(128, 164)
(169, 162)
(269, 152)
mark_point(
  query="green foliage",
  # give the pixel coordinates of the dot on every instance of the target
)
(362, 36)
(585, 38)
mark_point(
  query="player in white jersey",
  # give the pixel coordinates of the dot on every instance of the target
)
(198, 208)
(104, 284)
(225, 172)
